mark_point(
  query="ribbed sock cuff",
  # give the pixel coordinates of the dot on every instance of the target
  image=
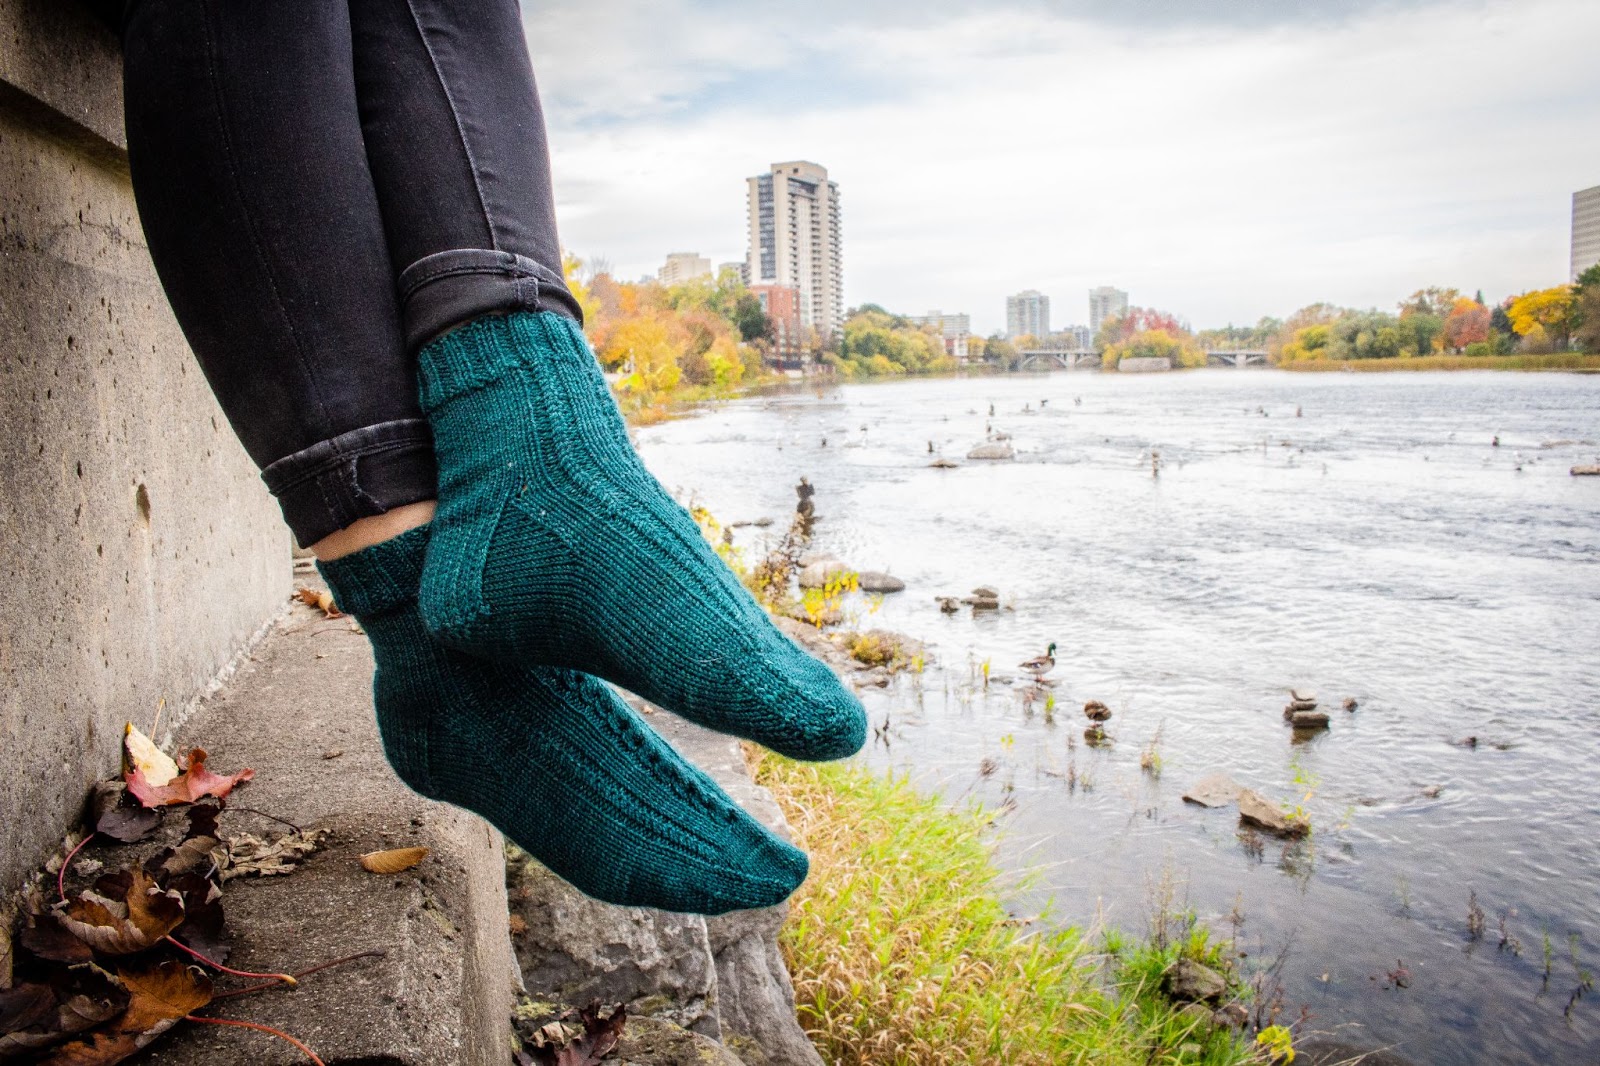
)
(480, 352)
(380, 578)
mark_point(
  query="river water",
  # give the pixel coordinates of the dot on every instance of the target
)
(1354, 534)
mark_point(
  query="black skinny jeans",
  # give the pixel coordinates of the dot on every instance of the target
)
(326, 185)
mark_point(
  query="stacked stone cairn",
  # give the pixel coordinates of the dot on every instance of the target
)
(1301, 711)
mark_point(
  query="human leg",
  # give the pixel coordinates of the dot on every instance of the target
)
(552, 543)
(251, 175)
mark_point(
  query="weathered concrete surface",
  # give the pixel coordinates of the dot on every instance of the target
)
(138, 549)
(722, 977)
(442, 993)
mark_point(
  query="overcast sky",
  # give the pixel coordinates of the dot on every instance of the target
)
(1219, 160)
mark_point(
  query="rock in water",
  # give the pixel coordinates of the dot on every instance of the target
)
(1586, 471)
(1213, 790)
(1255, 810)
(1309, 720)
(1190, 982)
(944, 464)
(948, 604)
(817, 575)
(877, 581)
(993, 450)
(986, 592)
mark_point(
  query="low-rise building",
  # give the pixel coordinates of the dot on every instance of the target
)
(781, 304)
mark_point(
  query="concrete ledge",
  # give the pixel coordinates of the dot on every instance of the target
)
(442, 994)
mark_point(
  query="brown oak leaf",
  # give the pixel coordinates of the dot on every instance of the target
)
(194, 782)
(123, 926)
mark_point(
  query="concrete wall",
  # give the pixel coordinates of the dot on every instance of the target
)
(139, 551)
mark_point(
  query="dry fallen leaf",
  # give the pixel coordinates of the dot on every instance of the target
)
(249, 855)
(37, 1016)
(393, 861)
(557, 1044)
(119, 816)
(321, 599)
(195, 782)
(160, 995)
(124, 926)
(141, 756)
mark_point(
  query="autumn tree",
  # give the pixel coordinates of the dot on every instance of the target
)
(1547, 311)
(1434, 300)
(1467, 323)
(1156, 344)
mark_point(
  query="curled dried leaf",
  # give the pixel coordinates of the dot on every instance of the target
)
(141, 756)
(194, 783)
(159, 995)
(321, 599)
(126, 925)
(44, 937)
(392, 861)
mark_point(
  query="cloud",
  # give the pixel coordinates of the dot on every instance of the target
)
(1223, 165)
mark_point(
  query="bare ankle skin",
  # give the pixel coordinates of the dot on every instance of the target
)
(365, 532)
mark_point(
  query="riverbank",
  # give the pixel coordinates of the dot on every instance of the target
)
(902, 950)
(1558, 361)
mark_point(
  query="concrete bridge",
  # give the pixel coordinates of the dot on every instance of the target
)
(1239, 357)
(1058, 358)
(1074, 358)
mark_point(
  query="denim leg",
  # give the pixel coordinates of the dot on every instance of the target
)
(251, 176)
(456, 142)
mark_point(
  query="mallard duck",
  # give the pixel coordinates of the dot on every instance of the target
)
(1042, 664)
(1096, 711)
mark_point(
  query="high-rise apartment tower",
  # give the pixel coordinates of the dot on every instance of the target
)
(1585, 230)
(1105, 302)
(1028, 314)
(795, 239)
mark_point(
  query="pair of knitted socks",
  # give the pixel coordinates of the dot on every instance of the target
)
(555, 559)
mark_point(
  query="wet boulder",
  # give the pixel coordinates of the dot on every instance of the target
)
(1188, 981)
(878, 581)
(1256, 810)
(1213, 790)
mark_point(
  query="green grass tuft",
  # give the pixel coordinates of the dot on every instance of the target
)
(903, 953)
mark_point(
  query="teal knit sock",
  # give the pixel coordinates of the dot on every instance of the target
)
(554, 759)
(553, 545)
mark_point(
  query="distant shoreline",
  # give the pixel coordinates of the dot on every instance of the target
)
(1570, 361)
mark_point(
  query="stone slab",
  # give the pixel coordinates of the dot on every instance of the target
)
(442, 993)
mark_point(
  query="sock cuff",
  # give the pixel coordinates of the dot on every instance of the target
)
(480, 352)
(380, 578)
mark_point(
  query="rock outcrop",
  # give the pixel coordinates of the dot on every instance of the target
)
(715, 987)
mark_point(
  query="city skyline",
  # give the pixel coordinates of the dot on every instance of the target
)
(1290, 169)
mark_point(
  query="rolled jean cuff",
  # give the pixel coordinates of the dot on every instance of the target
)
(447, 289)
(355, 475)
